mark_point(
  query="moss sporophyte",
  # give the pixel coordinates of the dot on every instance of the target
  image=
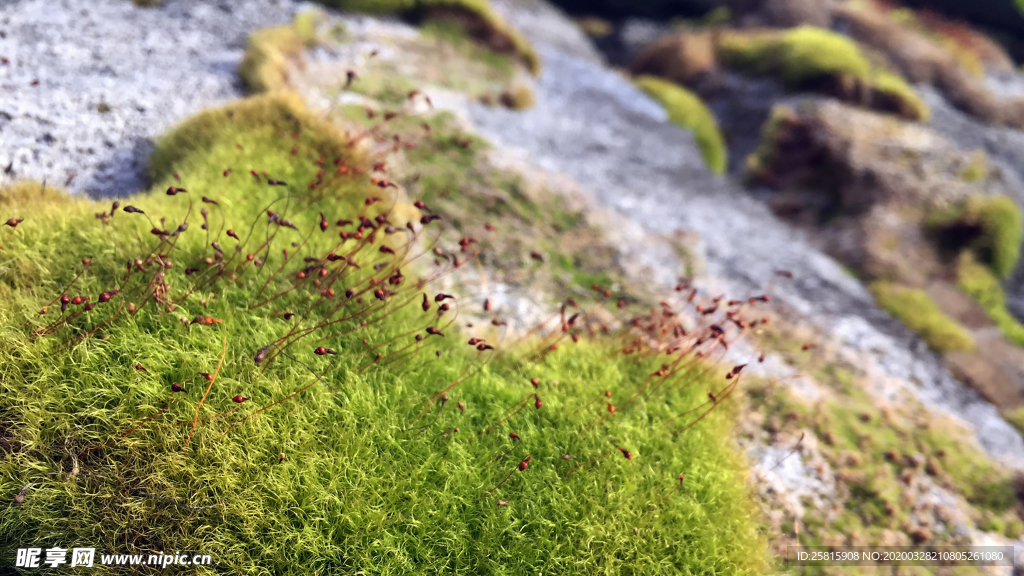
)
(306, 309)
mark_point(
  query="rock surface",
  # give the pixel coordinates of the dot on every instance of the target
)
(643, 167)
(87, 85)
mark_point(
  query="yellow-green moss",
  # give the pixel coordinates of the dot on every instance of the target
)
(283, 109)
(1015, 418)
(359, 491)
(305, 24)
(999, 220)
(890, 86)
(978, 282)
(687, 110)
(264, 67)
(480, 19)
(798, 55)
(805, 56)
(520, 97)
(27, 192)
(757, 164)
(485, 24)
(923, 316)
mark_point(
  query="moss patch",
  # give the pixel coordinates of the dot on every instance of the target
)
(799, 56)
(688, 111)
(808, 57)
(978, 282)
(356, 489)
(1015, 418)
(991, 227)
(878, 455)
(305, 25)
(891, 92)
(520, 97)
(923, 316)
(476, 18)
(264, 67)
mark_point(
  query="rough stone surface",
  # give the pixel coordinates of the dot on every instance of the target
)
(89, 84)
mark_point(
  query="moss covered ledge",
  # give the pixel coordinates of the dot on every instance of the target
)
(687, 110)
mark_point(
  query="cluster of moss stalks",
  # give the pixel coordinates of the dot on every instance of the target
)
(337, 477)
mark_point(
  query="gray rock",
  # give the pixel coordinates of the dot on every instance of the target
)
(593, 125)
(112, 76)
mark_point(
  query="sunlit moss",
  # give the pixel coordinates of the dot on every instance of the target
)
(923, 316)
(688, 111)
(336, 477)
(978, 282)
(1001, 229)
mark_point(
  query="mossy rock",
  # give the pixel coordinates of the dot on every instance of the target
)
(990, 226)
(798, 56)
(688, 111)
(268, 51)
(306, 23)
(519, 97)
(477, 17)
(813, 58)
(978, 282)
(332, 471)
(922, 315)
(890, 92)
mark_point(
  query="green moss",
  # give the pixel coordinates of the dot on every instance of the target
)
(1014, 528)
(520, 97)
(969, 470)
(477, 17)
(688, 111)
(305, 24)
(356, 491)
(485, 23)
(805, 57)
(891, 87)
(581, 278)
(855, 426)
(992, 523)
(264, 66)
(798, 56)
(923, 316)
(386, 89)
(457, 35)
(1000, 229)
(1015, 418)
(978, 282)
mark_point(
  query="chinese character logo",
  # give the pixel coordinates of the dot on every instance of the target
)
(56, 556)
(28, 557)
(82, 556)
